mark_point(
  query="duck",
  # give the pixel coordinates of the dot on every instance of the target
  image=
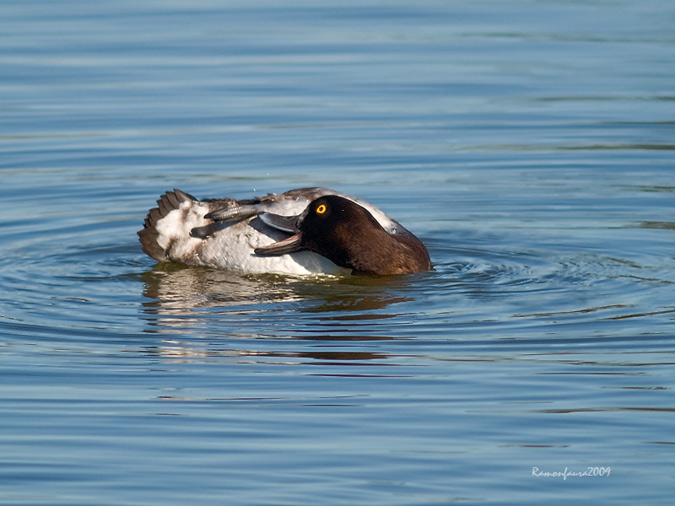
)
(304, 231)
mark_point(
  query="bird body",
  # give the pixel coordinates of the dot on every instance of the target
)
(245, 235)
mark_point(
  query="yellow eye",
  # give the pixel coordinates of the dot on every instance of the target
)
(321, 209)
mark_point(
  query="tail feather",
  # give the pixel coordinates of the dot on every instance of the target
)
(150, 237)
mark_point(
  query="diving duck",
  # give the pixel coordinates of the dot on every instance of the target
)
(299, 232)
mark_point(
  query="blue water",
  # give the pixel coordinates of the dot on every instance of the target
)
(528, 143)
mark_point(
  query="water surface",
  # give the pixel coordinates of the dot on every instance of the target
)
(528, 143)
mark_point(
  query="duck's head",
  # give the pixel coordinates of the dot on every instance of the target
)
(348, 235)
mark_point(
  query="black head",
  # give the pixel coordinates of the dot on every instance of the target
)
(339, 229)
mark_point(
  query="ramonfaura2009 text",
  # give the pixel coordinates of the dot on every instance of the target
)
(589, 472)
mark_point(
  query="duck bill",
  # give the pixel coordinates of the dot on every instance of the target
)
(288, 224)
(288, 245)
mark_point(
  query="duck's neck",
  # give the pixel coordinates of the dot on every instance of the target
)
(387, 254)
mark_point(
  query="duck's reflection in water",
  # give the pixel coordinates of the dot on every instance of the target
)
(207, 314)
(181, 291)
